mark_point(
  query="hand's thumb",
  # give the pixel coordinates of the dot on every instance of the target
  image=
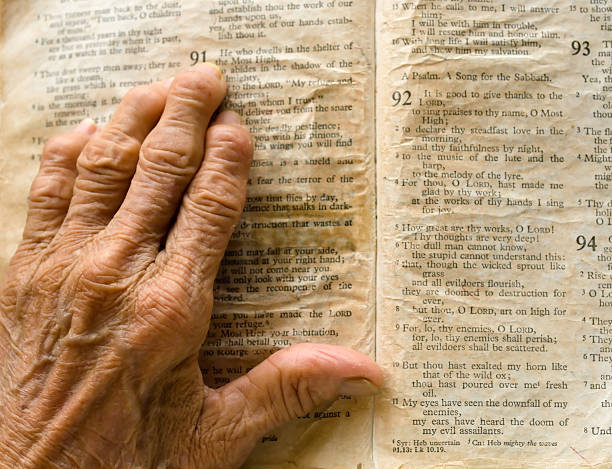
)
(291, 383)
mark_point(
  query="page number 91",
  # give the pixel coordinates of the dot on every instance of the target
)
(197, 57)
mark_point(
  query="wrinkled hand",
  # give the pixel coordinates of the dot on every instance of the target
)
(108, 299)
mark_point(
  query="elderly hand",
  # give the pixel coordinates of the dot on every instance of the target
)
(108, 298)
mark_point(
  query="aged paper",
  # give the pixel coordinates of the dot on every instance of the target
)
(494, 152)
(300, 267)
(494, 210)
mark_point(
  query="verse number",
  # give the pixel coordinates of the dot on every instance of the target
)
(583, 243)
(197, 57)
(402, 97)
(578, 47)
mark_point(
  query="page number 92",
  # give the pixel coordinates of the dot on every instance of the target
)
(402, 97)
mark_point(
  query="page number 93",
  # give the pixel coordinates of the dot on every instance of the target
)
(578, 47)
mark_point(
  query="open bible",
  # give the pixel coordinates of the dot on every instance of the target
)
(431, 186)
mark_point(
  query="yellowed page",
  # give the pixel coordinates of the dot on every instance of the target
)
(494, 239)
(301, 265)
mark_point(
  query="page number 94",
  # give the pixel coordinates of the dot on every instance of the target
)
(584, 243)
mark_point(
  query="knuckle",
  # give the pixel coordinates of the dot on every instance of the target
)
(110, 153)
(60, 148)
(169, 155)
(159, 304)
(198, 89)
(103, 268)
(166, 308)
(301, 361)
(293, 388)
(233, 143)
(220, 190)
(50, 190)
(199, 83)
(215, 221)
(221, 196)
(145, 98)
(168, 298)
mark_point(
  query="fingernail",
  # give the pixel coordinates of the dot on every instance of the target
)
(228, 117)
(208, 67)
(167, 83)
(87, 127)
(358, 387)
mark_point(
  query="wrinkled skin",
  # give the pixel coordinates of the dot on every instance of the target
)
(108, 298)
